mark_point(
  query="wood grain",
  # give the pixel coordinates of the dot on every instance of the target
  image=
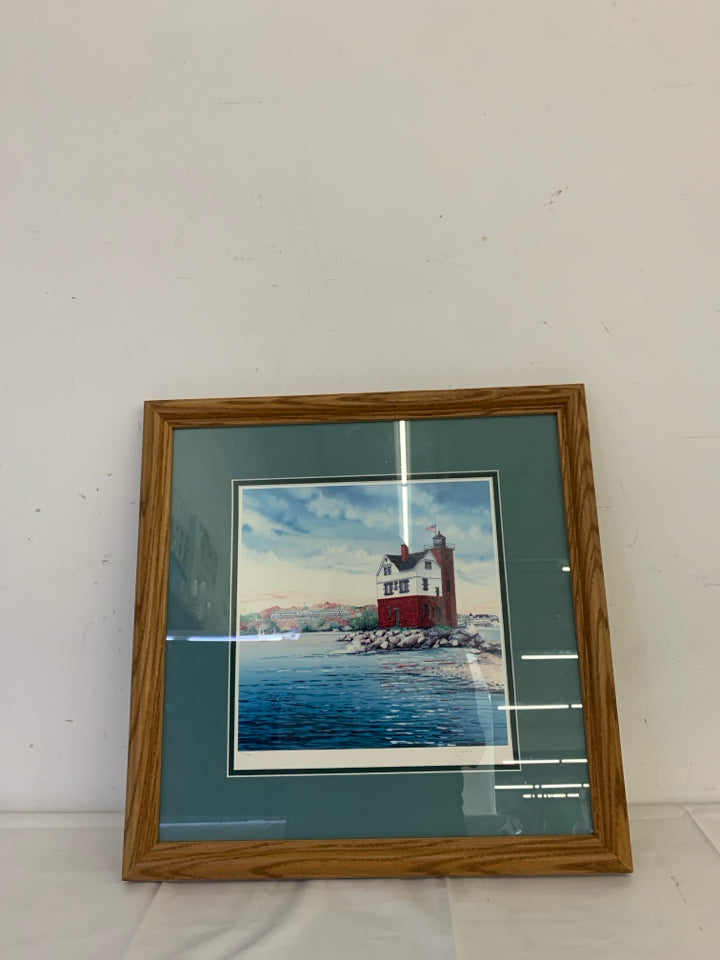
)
(593, 632)
(142, 805)
(606, 851)
(325, 408)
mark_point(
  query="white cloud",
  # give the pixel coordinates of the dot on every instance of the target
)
(341, 556)
(335, 508)
(323, 506)
(378, 519)
(262, 526)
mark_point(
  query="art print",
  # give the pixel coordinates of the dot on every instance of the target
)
(371, 627)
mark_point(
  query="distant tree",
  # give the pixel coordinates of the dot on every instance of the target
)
(333, 625)
(367, 620)
(371, 619)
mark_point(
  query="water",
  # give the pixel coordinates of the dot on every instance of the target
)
(308, 694)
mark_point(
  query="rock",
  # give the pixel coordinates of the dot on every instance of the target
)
(490, 646)
(384, 645)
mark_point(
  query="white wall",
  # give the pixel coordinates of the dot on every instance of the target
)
(250, 197)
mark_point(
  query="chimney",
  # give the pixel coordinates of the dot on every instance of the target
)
(404, 551)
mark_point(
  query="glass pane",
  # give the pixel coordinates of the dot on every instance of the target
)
(371, 633)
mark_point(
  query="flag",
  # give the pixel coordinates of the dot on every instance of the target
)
(430, 529)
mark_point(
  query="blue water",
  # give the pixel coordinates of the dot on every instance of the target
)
(308, 694)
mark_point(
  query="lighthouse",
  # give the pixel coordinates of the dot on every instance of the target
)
(444, 554)
(418, 589)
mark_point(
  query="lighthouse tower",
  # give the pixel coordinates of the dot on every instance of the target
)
(443, 553)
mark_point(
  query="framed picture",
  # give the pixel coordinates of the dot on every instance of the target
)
(371, 639)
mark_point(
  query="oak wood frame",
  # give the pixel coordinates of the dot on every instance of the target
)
(607, 850)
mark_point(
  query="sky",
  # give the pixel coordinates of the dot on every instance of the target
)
(308, 543)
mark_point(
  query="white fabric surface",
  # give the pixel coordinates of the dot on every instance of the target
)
(669, 908)
(61, 896)
(61, 899)
(322, 919)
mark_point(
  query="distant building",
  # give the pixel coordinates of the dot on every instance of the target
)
(307, 614)
(418, 589)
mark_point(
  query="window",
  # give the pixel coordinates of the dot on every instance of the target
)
(387, 569)
(437, 591)
(426, 583)
(426, 608)
(404, 586)
(448, 584)
(428, 564)
(388, 589)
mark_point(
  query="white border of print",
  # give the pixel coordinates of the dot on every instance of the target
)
(248, 761)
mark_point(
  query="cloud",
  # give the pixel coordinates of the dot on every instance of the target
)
(378, 519)
(341, 556)
(264, 525)
(480, 572)
(354, 502)
(323, 506)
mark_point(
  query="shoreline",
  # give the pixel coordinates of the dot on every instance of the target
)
(484, 656)
(416, 638)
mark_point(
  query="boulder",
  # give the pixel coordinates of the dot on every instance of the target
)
(490, 646)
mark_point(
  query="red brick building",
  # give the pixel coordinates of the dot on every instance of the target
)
(418, 589)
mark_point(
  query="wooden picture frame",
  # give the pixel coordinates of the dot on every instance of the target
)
(603, 846)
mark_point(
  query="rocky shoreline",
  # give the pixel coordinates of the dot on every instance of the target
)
(487, 654)
(384, 641)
